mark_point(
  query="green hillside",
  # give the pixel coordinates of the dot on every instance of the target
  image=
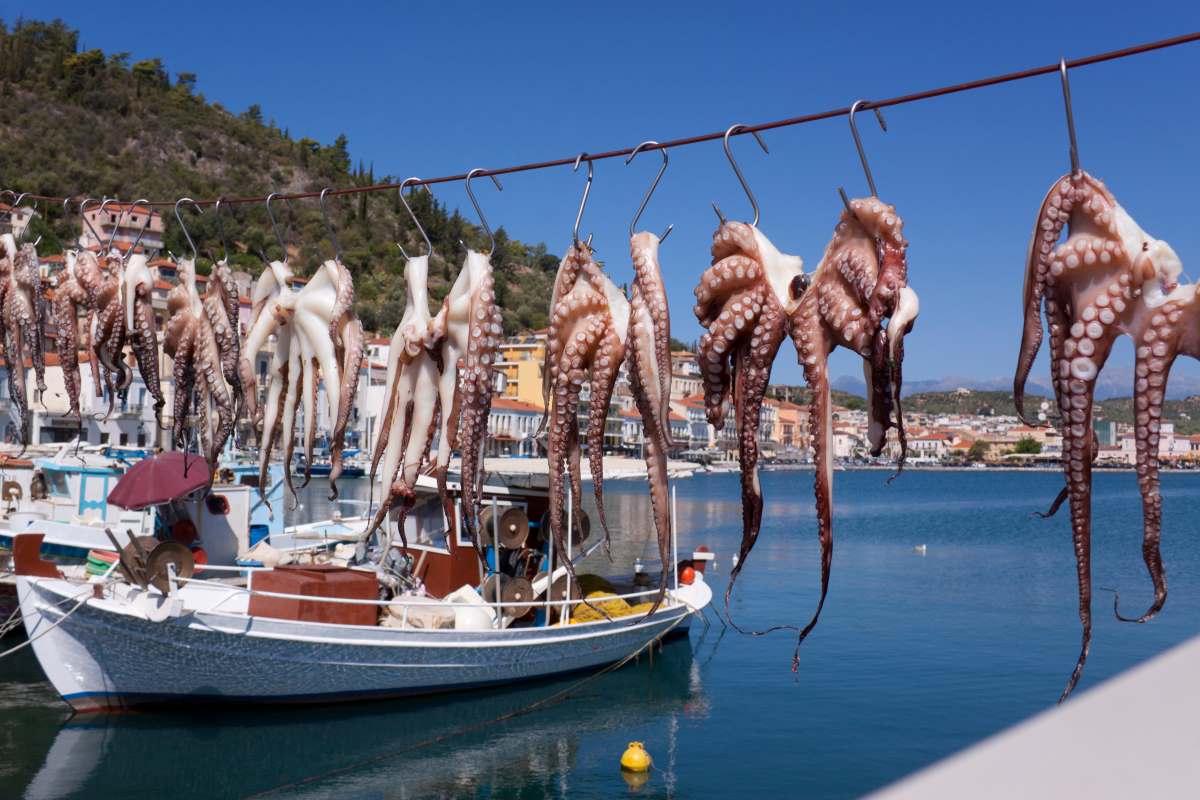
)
(801, 395)
(75, 122)
(1184, 413)
(979, 403)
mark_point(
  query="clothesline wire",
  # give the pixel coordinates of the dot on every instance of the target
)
(927, 94)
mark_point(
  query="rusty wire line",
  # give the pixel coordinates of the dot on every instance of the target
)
(927, 94)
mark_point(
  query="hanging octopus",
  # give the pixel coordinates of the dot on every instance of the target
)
(467, 330)
(192, 344)
(861, 281)
(589, 326)
(318, 337)
(221, 308)
(69, 300)
(273, 310)
(410, 400)
(1108, 278)
(21, 317)
(743, 300)
(103, 284)
(649, 367)
(139, 322)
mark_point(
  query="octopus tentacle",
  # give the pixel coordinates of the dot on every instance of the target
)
(1155, 354)
(352, 358)
(477, 383)
(292, 379)
(610, 354)
(650, 291)
(641, 375)
(144, 342)
(283, 384)
(68, 297)
(309, 390)
(718, 347)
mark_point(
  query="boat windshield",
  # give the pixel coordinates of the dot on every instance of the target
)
(56, 482)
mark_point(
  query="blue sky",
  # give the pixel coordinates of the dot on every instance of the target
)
(436, 88)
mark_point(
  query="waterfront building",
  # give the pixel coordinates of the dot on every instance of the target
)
(122, 222)
(1106, 431)
(521, 359)
(15, 220)
(511, 429)
(686, 379)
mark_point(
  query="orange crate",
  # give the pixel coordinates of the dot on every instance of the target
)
(316, 581)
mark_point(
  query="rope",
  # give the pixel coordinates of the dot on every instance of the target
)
(60, 621)
(528, 709)
(927, 94)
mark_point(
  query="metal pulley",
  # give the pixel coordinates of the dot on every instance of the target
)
(558, 593)
(581, 525)
(510, 522)
(515, 593)
(169, 554)
(145, 560)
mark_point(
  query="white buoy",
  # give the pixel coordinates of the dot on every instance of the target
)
(919, 549)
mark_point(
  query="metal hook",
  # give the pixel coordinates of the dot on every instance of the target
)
(82, 206)
(66, 204)
(149, 212)
(104, 204)
(738, 171)
(221, 230)
(587, 189)
(862, 154)
(186, 235)
(479, 211)
(1066, 87)
(417, 222)
(337, 248)
(653, 186)
(275, 227)
(25, 230)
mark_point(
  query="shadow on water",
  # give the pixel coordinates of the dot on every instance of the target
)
(449, 746)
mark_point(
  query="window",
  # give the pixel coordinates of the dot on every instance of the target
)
(141, 440)
(124, 438)
(141, 397)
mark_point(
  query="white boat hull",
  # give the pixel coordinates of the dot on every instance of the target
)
(110, 653)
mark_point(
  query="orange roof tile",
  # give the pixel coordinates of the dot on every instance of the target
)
(506, 404)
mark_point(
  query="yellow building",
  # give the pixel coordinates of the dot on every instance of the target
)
(520, 359)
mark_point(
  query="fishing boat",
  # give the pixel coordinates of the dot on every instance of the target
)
(154, 630)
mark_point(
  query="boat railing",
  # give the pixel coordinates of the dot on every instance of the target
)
(413, 601)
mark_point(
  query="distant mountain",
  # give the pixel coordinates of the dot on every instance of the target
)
(970, 401)
(1114, 382)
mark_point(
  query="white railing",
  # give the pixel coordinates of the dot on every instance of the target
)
(420, 601)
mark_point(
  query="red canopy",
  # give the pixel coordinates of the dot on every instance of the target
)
(160, 479)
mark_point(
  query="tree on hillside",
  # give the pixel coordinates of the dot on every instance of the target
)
(150, 74)
(1027, 445)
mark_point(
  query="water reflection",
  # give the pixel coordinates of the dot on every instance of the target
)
(472, 744)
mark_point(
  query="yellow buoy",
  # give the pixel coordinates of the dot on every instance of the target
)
(635, 758)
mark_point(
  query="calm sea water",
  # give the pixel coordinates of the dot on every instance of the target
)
(915, 657)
